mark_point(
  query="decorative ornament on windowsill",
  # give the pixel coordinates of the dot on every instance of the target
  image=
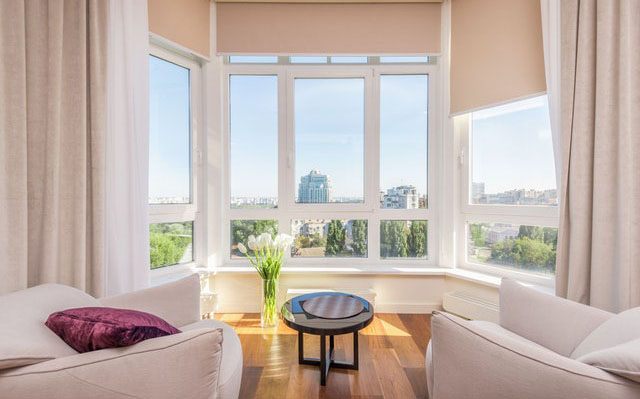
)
(265, 254)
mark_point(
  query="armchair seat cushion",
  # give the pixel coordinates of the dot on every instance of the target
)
(230, 375)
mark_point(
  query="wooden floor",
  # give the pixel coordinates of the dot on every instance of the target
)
(392, 355)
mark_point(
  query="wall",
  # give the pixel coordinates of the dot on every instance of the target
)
(394, 293)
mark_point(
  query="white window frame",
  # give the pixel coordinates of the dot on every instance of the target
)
(540, 215)
(369, 210)
(175, 213)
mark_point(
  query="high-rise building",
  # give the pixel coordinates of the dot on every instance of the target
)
(314, 188)
(401, 197)
(477, 191)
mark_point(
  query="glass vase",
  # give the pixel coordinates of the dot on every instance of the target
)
(269, 315)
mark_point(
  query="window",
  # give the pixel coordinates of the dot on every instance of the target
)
(404, 124)
(253, 127)
(329, 140)
(336, 152)
(509, 196)
(173, 100)
(253, 59)
(403, 59)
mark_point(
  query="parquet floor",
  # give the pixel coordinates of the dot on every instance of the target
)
(392, 356)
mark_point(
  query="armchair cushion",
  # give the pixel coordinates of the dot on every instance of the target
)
(24, 339)
(623, 359)
(619, 329)
(553, 322)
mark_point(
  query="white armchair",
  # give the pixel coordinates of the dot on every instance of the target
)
(198, 363)
(527, 356)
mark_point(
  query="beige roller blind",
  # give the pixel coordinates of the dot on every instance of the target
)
(496, 52)
(184, 22)
(287, 28)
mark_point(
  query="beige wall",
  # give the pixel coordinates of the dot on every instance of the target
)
(496, 52)
(285, 28)
(403, 294)
(184, 22)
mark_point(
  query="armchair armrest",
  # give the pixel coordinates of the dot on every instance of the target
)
(553, 322)
(178, 303)
(185, 365)
(471, 361)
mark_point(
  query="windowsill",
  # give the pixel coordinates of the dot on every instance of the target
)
(173, 273)
(352, 270)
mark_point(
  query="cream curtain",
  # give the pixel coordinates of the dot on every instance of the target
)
(52, 121)
(598, 245)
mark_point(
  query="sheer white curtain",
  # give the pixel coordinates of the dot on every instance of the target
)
(550, 10)
(127, 148)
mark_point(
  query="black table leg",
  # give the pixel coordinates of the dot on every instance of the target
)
(326, 360)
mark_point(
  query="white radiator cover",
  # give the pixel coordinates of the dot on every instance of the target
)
(470, 307)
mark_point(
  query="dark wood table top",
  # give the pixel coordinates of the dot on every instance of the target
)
(313, 313)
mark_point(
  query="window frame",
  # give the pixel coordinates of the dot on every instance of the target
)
(188, 212)
(530, 215)
(370, 210)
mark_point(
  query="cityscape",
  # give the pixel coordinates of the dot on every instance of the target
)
(522, 196)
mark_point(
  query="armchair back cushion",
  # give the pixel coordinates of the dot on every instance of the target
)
(623, 359)
(550, 321)
(24, 339)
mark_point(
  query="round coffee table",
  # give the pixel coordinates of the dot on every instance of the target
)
(327, 315)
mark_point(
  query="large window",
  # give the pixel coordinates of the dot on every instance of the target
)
(335, 152)
(509, 195)
(173, 99)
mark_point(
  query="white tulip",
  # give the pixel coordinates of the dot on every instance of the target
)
(252, 243)
(265, 240)
(242, 248)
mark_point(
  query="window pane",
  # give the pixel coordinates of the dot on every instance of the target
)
(403, 239)
(404, 59)
(329, 140)
(169, 133)
(253, 109)
(349, 60)
(253, 59)
(403, 141)
(512, 155)
(329, 238)
(242, 229)
(308, 60)
(170, 243)
(530, 248)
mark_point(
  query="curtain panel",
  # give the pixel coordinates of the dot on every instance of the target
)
(598, 252)
(52, 116)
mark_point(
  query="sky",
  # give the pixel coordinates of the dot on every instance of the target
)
(512, 148)
(511, 144)
(169, 154)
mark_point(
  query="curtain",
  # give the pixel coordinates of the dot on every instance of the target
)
(550, 12)
(127, 148)
(598, 250)
(52, 117)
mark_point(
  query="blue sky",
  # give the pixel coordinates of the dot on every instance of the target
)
(169, 155)
(511, 144)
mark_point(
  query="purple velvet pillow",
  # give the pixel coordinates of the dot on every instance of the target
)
(93, 328)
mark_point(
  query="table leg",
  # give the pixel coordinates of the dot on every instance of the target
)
(324, 369)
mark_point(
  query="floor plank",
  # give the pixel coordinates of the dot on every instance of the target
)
(392, 351)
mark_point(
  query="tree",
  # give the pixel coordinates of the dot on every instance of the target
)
(417, 238)
(242, 229)
(385, 238)
(533, 232)
(168, 243)
(524, 252)
(551, 236)
(335, 238)
(398, 239)
(359, 234)
(478, 234)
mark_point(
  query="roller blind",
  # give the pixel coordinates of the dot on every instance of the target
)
(496, 52)
(325, 28)
(184, 22)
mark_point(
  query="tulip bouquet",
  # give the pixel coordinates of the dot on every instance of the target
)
(265, 254)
